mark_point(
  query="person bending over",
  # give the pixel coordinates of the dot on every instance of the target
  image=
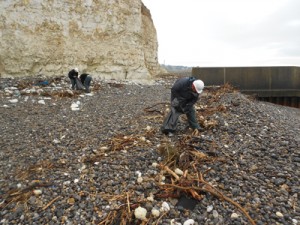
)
(73, 75)
(184, 94)
(86, 81)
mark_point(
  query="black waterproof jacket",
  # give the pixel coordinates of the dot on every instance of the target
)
(183, 92)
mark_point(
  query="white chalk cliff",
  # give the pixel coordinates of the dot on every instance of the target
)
(106, 38)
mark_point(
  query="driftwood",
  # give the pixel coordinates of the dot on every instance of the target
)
(195, 185)
(51, 202)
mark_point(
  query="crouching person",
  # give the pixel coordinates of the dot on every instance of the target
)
(86, 81)
(184, 94)
(73, 75)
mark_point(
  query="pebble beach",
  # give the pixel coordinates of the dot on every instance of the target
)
(69, 157)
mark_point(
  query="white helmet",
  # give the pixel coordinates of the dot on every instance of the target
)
(199, 85)
(76, 70)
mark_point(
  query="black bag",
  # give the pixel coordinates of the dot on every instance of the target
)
(79, 85)
(170, 122)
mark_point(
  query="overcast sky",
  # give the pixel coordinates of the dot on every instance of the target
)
(227, 32)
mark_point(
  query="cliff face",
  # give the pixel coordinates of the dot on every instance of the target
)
(107, 38)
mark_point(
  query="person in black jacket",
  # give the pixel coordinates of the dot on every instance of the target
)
(73, 75)
(184, 94)
(86, 81)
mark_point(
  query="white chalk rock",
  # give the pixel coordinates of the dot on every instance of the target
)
(13, 100)
(279, 214)
(154, 164)
(139, 180)
(178, 171)
(138, 173)
(140, 213)
(42, 102)
(75, 107)
(143, 139)
(215, 214)
(189, 222)
(234, 215)
(67, 182)
(150, 197)
(165, 207)
(37, 192)
(155, 212)
(173, 222)
(56, 141)
(209, 208)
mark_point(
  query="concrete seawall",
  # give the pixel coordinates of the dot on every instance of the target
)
(279, 85)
